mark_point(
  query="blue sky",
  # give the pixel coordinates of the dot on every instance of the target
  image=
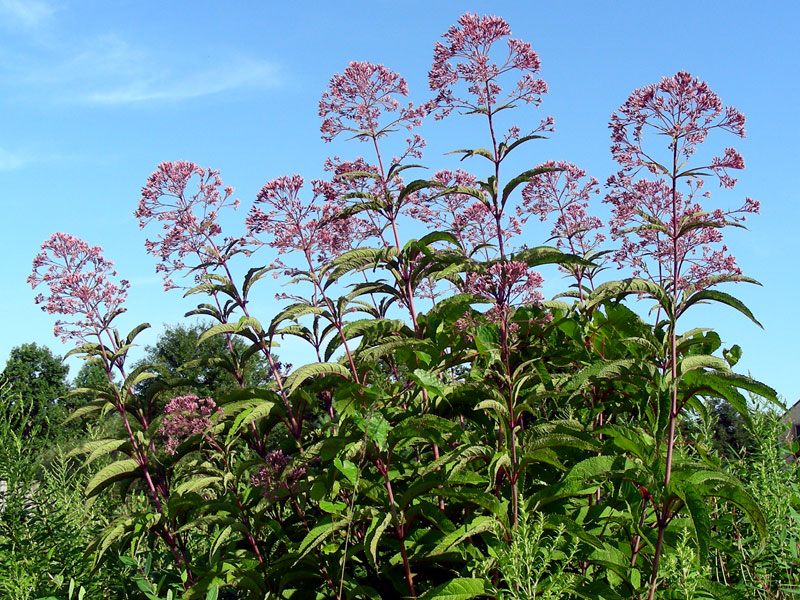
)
(95, 94)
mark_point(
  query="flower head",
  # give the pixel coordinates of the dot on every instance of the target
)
(462, 213)
(683, 110)
(77, 277)
(186, 416)
(565, 190)
(273, 474)
(363, 100)
(667, 234)
(290, 223)
(189, 220)
(506, 283)
(465, 56)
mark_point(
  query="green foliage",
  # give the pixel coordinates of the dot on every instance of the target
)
(39, 379)
(477, 445)
(201, 368)
(539, 562)
(768, 570)
(45, 525)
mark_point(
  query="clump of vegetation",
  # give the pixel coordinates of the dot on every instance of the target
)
(453, 434)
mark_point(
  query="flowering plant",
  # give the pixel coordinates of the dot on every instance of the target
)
(446, 399)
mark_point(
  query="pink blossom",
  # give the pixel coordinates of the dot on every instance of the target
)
(465, 56)
(273, 473)
(77, 276)
(682, 110)
(187, 416)
(666, 232)
(506, 283)
(686, 238)
(458, 205)
(291, 223)
(363, 100)
(189, 221)
(563, 191)
(358, 181)
(356, 178)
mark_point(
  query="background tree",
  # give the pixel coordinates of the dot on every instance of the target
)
(39, 378)
(731, 433)
(203, 368)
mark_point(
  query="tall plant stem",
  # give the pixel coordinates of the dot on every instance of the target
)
(336, 318)
(171, 539)
(673, 349)
(399, 528)
(504, 309)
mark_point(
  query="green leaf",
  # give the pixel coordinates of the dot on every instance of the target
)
(626, 287)
(219, 540)
(495, 405)
(749, 384)
(195, 484)
(524, 177)
(704, 296)
(111, 534)
(732, 355)
(457, 589)
(429, 382)
(414, 186)
(699, 514)
(259, 411)
(376, 536)
(83, 410)
(296, 379)
(375, 426)
(134, 332)
(722, 485)
(387, 348)
(241, 325)
(477, 525)
(116, 471)
(591, 468)
(332, 507)
(318, 535)
(253, 275)
(470, 152)
(701, 361)
(213, 592)
(347, 468)
(719, 591)
(97, 448)
(526, 138)
(547, 255)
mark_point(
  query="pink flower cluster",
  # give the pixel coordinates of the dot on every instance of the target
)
(506, 283)
(666, 232)
(271, 474)
(683, 110)
(77, 277)
(359, 181)
(464, 215)
(354, 177)
(189, 219)
(291, 223)
(465, 57)
(684, 231)
(564, 192)
(187, 416)
(357, 100)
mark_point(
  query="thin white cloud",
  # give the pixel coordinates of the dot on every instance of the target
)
(106, 70)
(233, 74)
(28, 14)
